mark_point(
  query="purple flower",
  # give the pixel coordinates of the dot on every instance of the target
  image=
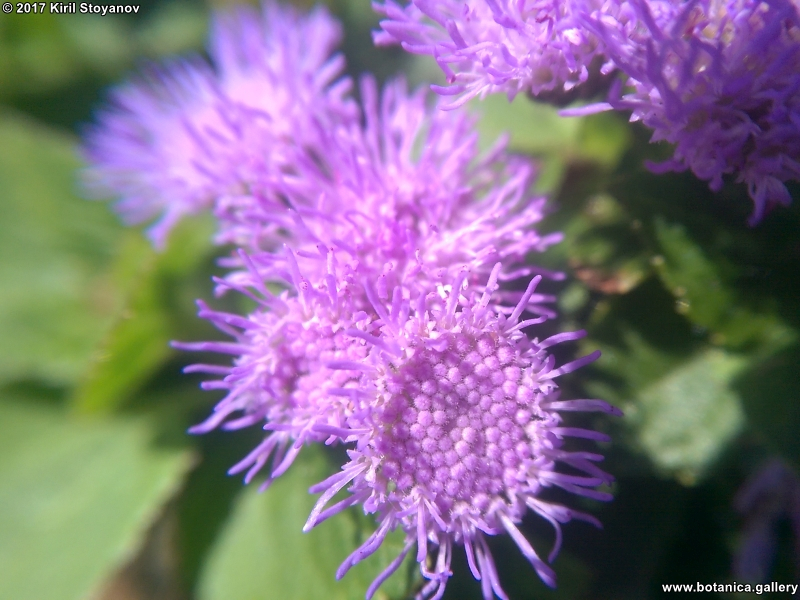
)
(490, 46)
(458, 432)
(401, 202)
(186, 133)
(284, 371)
(770, 495)
(381, 226)
(402, 196)
(719, 80)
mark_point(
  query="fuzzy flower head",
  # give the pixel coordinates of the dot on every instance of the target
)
(460, 433)
(490, 46)
(719, 79)
(402, 197)
(188, 132)
(283, 376)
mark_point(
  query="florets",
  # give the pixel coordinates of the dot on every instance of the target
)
(382, 227)
(718, 79)
(282, 374)
(489, 46)
(404, 198)
(459, 433)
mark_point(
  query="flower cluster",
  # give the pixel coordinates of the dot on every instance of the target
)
(718, 79)
(483, 47)
(390, 237)
(403, 197)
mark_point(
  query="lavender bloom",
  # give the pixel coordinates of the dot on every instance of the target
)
(490, 46)
(403, 198)
(186, 133)
(385, 215)
(459, 433)
(282, 372)
(717, 78)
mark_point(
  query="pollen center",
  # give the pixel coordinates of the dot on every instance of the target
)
(454, 420)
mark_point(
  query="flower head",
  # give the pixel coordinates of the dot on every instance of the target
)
(283, 377)
(403, 197)
(490, 46)
(459, 432)
(401, 202)
(718, 79)
(187, 133)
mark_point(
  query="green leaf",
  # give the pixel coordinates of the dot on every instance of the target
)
(263, 546)
(707, 298)
(633, 363)
(173, 27)
(136, 345)
(536, 128)
(160, 291)
(603, 139)
(76, 497)
(35, 53)
(58, 298)
(208, 497)
(684, 420)
(691, 277)
(41, 53)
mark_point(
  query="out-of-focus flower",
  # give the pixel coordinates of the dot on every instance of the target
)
(402, 196)
(458, 431)
(489, 46)
(719, 79)
(187, 133)
(772, 493)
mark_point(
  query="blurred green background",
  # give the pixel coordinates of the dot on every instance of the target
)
(104, 496)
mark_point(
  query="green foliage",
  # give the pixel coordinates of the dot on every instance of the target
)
(702, 294)
(56, 248)
(137, 345)
(685, 420)
(43, 52)
(604, 247)
(263, 546)
(88, 317)
(537, 129)
(771, 393)
(76, 497)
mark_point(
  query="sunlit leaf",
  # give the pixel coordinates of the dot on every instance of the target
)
(536, 128)
(692, 278)
(604, 247)
(58, 297)
(41, 52)
(76, 496)
(684, 420)
(706, 297)
(160, 291)
(173, 28)
(263, 546)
